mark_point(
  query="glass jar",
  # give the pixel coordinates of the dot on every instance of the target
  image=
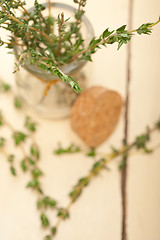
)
(31, 80)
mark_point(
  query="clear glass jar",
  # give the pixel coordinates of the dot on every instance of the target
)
(31, 81)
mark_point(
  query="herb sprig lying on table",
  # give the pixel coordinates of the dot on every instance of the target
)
(31, 158)
(140, 143)
(32, 33)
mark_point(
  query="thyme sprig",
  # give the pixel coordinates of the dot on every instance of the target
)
(140, 143)
(120, 36)
(36, 43)
(71, 149)
(29, 163)
(10, 157)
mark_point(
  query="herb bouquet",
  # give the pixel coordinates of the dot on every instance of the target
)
(52, 42)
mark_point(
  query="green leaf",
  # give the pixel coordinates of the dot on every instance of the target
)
(13, 171)
(94, 41)
(31, 126)
(19, 137)
(33, 184)
(11, 158)
(115, 150)
(63, 213)
(37, 173)
(142, 140)
(44, 220)
(122, 164)
(5, 87)
(92, 153)
(98, 165)
(46, 202)
(2, 141)
(35, 151)
(144, 29)
(120, 44)
(112, 40)
(31, 161)
(121, 29)
(53, 230)
(17, 102)
(24, 165)
(71, 149)
(79, 14)
(106, 33)
(48, 237)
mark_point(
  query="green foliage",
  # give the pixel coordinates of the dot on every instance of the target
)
(39, 45)
(115, 151)
(30, 125)
(92, 152)
(100, 164)
(11, 158)
(2, 141)
(36, 172)
(31, 161)
(142, 140)
(24, 165)
(48, 237)
(122, 164)
(63, 213)
(106, 33)
(4, 86)
(13, 171)
(17, 102)
(35, 151)
(144, 29)
(33, 184)
(46, 202)
(77, 190)
(44, 220)
(19, 137)
(53, 230)
(71, 149)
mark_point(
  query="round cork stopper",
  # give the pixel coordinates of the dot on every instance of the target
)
(95, 114)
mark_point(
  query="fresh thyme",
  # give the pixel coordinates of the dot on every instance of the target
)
(32, 35)
(71, 149)
(29, 164)
(140, 143)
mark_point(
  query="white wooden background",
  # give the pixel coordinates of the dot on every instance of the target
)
(97, 213)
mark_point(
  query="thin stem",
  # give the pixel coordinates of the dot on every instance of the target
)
(109, 158)
(49, 8)
(49, 16)
(13, 130)
(25, 11)
(60, 31)
(19, 62)
(14, 44)
(79, 8)
(30, 27)
(106, 40)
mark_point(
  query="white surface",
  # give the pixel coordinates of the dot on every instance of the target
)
(97, 213)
